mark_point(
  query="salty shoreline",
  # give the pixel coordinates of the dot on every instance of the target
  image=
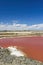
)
(7, 59)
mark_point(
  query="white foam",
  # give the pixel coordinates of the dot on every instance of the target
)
(15, 51)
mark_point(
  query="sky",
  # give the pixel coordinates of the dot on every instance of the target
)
(21, 14)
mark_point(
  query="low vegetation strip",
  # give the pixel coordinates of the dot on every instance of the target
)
(22, 33)
(7, 59)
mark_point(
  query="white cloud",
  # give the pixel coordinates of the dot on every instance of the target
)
(16, 26)
(36, 26)
(13, 26)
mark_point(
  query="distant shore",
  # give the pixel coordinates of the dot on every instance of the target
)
(20, 33)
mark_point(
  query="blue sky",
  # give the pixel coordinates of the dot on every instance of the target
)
(29, 12)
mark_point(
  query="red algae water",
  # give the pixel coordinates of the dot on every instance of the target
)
(31, 46)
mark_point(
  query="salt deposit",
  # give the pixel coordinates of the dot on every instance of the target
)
(15, 51)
